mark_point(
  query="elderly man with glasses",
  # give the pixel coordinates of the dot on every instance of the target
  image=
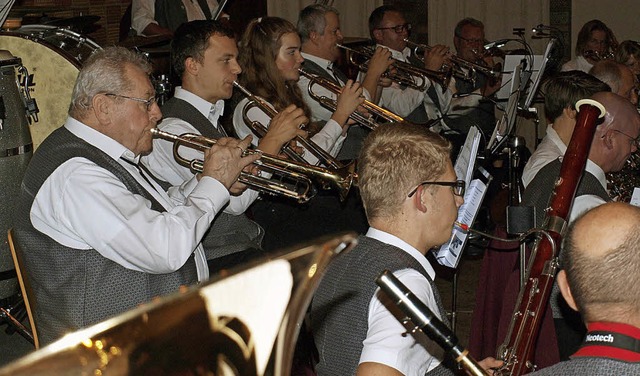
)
(411, 196)
(98, 235)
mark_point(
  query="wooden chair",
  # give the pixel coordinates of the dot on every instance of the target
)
(25, 286)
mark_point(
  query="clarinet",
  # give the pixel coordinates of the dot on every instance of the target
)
(517, 349)
(426, 321)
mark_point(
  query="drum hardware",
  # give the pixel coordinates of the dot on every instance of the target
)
(163, 88)
(296, 177)
(331, 104)
(25, 82)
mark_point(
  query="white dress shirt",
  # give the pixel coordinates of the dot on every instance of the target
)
(162, 163)
(550, 149)
(412, 355)
(143, 12)
(84, 206)
(578, 63)
(403, 101)
(329, 138)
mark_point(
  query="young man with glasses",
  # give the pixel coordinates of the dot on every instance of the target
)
(389, 29)
(411, 196)
(98, 235)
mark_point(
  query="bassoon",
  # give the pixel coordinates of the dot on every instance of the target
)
(517, 350)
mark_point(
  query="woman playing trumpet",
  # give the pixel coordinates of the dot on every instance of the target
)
(270, 59)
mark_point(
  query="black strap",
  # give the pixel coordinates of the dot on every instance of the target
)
(611, 339)
(205, 9)
(340, 77)
(141, 172)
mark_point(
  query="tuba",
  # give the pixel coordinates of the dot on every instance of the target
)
(244, 321)
(517, 349)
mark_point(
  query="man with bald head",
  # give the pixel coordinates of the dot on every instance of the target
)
(601, 265)
(613, 142)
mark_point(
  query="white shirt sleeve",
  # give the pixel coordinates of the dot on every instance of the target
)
(163, 165)
(84, 206)
(143, 13)
(413, 354)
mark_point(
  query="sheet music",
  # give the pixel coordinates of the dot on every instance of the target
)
(450, 253)
(466, 161)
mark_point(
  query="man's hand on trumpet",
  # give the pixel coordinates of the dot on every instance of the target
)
(284, 127)
(224, 161)
(436, 56)
(348, 101)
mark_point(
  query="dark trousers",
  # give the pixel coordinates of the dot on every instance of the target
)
(287, 223)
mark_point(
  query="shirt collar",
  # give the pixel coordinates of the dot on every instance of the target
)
(203, 106)
(100, 140)
(555, 138)
(324, 63)
(395, 241)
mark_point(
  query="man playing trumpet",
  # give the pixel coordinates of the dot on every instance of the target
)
(204, 54)
(98, 235)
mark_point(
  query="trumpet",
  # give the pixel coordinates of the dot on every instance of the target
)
(459, 64)
(331, 104)
(261, 130)
(299, 176)
(405, 73)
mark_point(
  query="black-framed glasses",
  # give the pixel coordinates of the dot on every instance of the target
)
(636, 141)
(398, 29)
(457, 186)
(147, 102)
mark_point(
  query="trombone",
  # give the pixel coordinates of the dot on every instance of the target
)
(331, 104)
(299, 176)
(458, 63)
(261, 130)
(404, 74)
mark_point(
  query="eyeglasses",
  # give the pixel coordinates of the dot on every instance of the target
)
(398, 29)
(147, 102)
(472, 41)
(457, 186)
(636, 141)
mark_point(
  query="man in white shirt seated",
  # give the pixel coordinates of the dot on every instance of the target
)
(98, 235)
(319, 29)
(162, 17)
(561, 94)
(411, 196)
(619, 77)
(389, 28)
(204, 54)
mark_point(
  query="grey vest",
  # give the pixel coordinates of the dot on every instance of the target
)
(74, 288)
(483, 115)
(355, 134)
(538, 194)
(229, 233)
(588, 366)
(340, 307)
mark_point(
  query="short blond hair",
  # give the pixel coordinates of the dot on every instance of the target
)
(394, 159)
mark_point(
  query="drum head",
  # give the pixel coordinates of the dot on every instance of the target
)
(54, 74)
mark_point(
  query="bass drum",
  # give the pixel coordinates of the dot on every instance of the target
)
(54, 57)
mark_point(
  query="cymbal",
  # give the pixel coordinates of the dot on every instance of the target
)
(79, 22)
(24, 10)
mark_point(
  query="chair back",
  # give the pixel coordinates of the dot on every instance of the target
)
(25, 286)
